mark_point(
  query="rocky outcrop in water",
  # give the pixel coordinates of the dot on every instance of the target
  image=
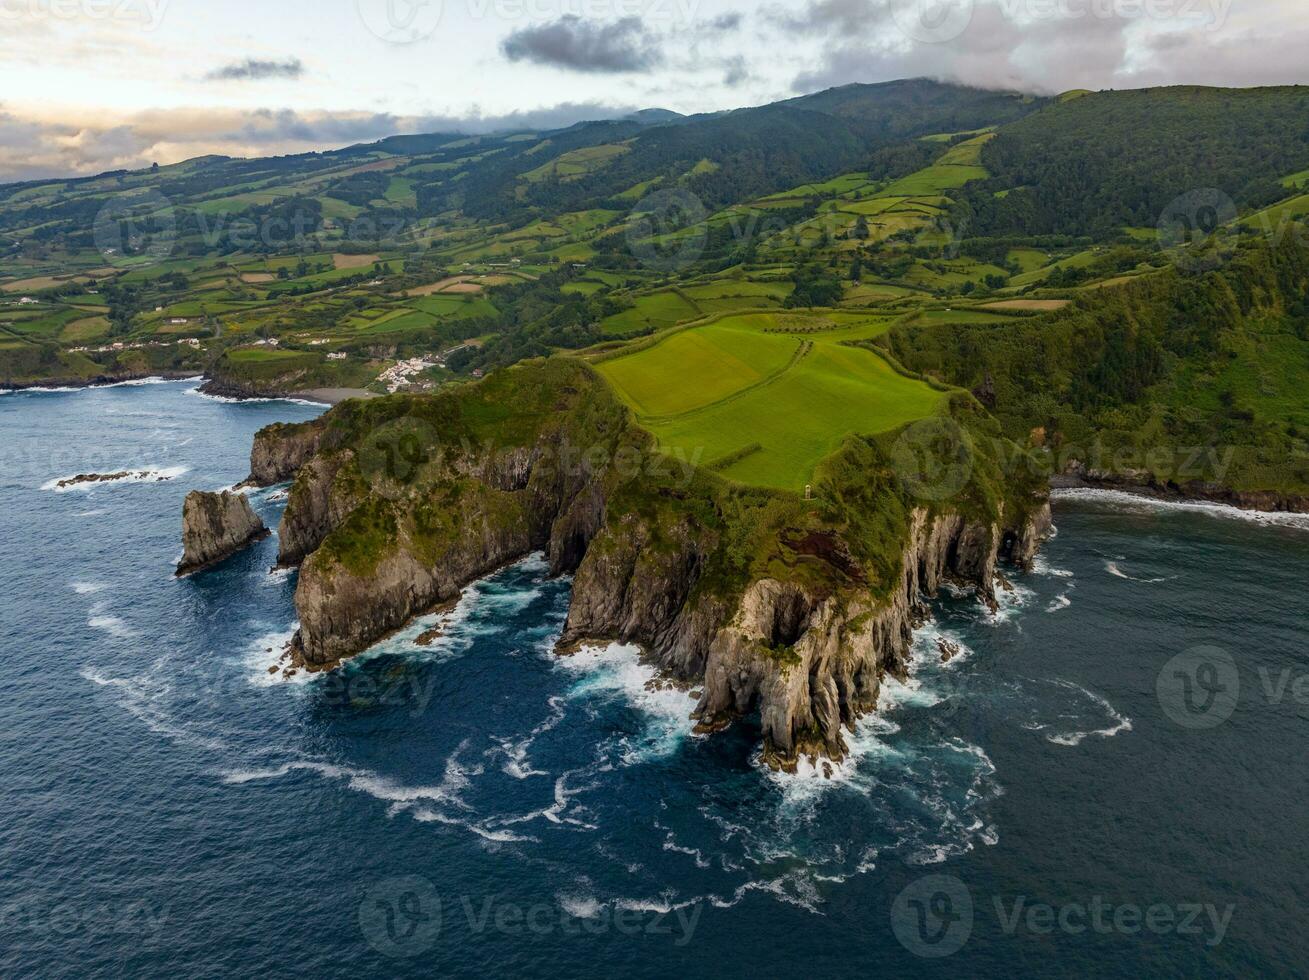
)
(216, 526)
(134, 476)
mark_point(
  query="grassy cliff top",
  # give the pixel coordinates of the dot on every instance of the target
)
(763, 398)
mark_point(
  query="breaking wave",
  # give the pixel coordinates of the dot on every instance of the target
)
(1121, 500)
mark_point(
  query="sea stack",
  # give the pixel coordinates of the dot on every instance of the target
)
(216, 526)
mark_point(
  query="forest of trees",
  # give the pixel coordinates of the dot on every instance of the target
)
(1095, 164)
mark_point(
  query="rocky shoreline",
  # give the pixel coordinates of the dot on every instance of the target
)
(803, 636)
(1143, 484)
(99, 381)
(805, 642)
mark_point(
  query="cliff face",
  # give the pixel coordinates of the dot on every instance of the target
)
(280, 451)
(216, 526)
(809, 660)
(795, 609)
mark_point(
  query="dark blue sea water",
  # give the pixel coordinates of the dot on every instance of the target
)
(1044, 804)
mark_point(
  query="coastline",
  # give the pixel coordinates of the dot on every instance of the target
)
(100, 381)
(1211, 494)
(332, 396)
(1120, 498)
(319, 396)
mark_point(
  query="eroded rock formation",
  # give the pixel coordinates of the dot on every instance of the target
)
(216, 526)
(766, 602)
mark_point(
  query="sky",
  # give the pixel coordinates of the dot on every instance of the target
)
(93, 85)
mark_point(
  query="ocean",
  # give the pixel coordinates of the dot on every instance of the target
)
(1109, 779)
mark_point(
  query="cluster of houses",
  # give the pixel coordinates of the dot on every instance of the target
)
(118, 345)
(401, 374)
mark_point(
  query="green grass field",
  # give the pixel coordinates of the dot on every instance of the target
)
(577, 163)
(713, 391)
(455, 306)
(695, 368)
(651, 312)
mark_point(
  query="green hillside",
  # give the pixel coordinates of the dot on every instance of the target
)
(729, 273)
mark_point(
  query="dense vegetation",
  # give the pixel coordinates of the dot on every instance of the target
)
(1166, 375)
(1001, 243)
(1100, 162)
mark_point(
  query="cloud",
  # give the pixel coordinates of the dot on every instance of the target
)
(33, 148)
(253, 69)
(1053, 47)
(837, 17)
(580, 45)
(737, 72)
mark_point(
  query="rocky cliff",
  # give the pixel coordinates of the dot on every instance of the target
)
(809, 654)
(216, 526)
(792, 608)
(280, 450)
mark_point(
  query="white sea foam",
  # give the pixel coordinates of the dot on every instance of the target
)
(1114, 569)
(441, 804)
(515, 751)
(276, 576)
(1041, 566)
(112, 625)
(1058, 603)
(148, 474)
(1118, 723)
(266, 652)
(563, 810)
(399, 796)
(1135, 502)
(139, 382)
(617, 669)
(223, 399)
(87, 588)
(580, 906)
(1009, 604)
(145, 699)
(795, 889)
